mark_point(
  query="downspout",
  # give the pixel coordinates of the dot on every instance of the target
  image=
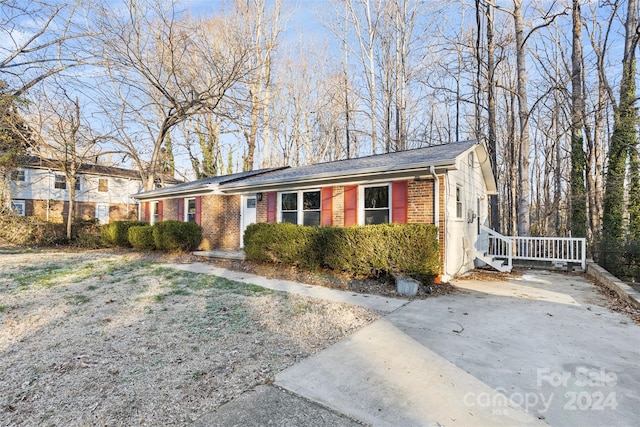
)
(436, 197)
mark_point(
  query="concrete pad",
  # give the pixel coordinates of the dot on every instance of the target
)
(271, 406)
(383, 377)
(373, 302)
(542, 341)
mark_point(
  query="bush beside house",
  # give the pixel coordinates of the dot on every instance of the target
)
(117, 233)
(141, 237)
(174, 235)
(372, 250)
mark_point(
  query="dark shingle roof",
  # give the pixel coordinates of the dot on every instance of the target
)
(90, 168)
(419, 158)
(202, 184)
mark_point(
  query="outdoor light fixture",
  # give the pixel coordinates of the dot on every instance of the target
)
(259, 197)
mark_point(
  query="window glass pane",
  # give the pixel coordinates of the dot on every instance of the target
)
(17, 176)
(290, 217)
(289, 202)
(311, 218)
(376, 197)
(251, 203)
(378, 216)
(60, 183)
(191, 210)
(311, 200)
(458, 202)
(77, 186)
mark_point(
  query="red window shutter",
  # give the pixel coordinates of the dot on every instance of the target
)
(272, 206)
(327, 207)
(399, 201)
(160, 211)
(350, 205)
(180, 209)
(198, 210)
(145, 206)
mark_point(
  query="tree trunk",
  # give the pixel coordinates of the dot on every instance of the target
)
(623, 138)
(577, 198)
(491, 114)
(523, 115)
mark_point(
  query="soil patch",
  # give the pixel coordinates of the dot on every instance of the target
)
(384, 286)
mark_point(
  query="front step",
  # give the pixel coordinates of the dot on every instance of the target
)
(494, 263)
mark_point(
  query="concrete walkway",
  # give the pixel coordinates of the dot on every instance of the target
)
(373, 302)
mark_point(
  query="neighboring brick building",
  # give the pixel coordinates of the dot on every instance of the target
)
(39, 189)
(446, 185)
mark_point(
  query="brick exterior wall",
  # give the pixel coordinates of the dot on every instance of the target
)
(170, 209)
(338, 206)
(261, 209)
(441, 229)
(420, 206)
(220, 222)
(58, 210)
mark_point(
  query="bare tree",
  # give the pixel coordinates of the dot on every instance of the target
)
(163, 71)
(40, 39)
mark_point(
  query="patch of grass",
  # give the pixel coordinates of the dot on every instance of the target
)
(159, 297)
(40, 276)
(92, 287)
(200, 281)
(3, 308)
(180, 291)
(78, 299)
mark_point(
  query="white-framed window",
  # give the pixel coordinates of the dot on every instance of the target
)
(190, 210)
(18, 176)
(300, 207)
(155, 212)
(61, 183)
(103, 185)
(376, 204)
(459, 204)
(18, 207)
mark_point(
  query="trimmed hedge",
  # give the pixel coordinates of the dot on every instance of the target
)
(116, 233)
(370, 250)
(141, 237)
(174, 235)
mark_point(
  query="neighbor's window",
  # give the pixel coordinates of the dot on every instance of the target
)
(61, 182)
(18, 176)
(376, 205)
(103, 185)
(190, 210)
(289, 207)
(18, 208)
(459, 202)
(77, 186)
(300, 207)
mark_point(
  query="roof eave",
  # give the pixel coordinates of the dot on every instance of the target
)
(327, 178)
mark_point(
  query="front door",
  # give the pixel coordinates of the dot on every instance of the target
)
(248, 215)
(102, 213)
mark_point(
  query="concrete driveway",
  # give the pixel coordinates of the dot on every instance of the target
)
(536, 350)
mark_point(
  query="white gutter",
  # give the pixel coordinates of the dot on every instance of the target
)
(436, 197)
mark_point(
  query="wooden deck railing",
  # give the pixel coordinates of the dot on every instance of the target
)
(552, 249)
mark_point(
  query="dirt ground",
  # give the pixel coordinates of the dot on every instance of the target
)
(113, 338)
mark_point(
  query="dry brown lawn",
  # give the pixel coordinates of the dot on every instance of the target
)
(109, 338)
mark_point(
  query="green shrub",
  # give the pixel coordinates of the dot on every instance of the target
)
(371, 250)
(141, 237)
(116, 233)
(282, 243)
(176, 236)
